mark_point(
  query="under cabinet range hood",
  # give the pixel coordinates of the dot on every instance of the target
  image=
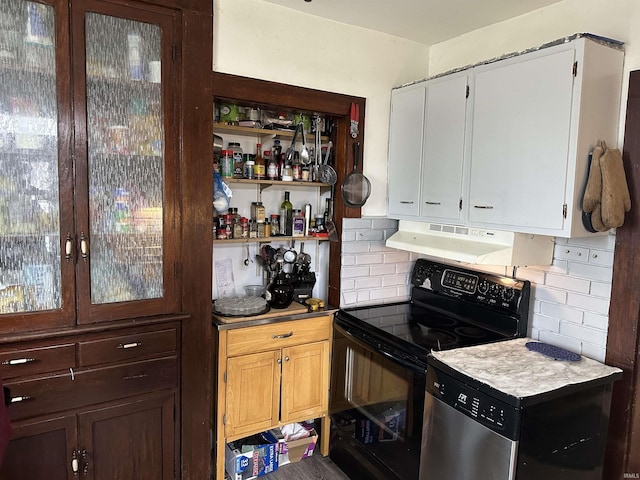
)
(472, 245)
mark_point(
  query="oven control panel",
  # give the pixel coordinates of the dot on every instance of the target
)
(472, 286)
(481, 407)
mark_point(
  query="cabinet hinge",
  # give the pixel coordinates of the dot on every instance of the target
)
(224, 419)
(466, 95)
(460, 204)
(564, 210)
(224, 377)
(174, 53)
(575, 69)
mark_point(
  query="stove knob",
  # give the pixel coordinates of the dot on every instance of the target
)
(483, 287)
(508, 294)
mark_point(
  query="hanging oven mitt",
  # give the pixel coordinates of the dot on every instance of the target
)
(615, 200)
(593, 190)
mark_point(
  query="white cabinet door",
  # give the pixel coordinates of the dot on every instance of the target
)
(405, 150)
(443, 151)
(521, 130)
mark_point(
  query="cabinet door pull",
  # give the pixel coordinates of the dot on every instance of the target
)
(283, 335)
(286, 359)
(135, 377)
(486, 207)
(406, 202)
(18, 361)
(279, 361)
(74, 463)
(129, 345)
(84, 246)
(19, 398)
(433, 203)
(68, 247)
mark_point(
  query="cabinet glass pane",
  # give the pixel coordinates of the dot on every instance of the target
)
(30, 276)
(125, 155)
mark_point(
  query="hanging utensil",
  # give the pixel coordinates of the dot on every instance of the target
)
(330, 226)
(248, 259)
(288, 155)
(326, 172)
(356, 188)
(305, 159)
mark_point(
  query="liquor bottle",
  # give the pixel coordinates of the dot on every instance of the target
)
(259, 168)
(286, 216)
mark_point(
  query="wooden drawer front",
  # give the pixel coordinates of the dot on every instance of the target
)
(279, 334)
(21, 362)
(62, 392)
(127, 347)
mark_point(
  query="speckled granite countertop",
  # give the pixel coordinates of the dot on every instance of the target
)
(515, 370)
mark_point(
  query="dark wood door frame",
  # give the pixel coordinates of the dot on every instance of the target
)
(261, 92)
(624, 311)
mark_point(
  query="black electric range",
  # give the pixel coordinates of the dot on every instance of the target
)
(380, 360)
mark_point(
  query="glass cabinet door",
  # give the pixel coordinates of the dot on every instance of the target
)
(36, 261)
(126, 247)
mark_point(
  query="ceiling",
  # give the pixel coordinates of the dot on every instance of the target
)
(423, 21)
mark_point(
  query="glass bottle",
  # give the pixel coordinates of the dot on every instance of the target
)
(237, 159)
(271, 165)
(259, 169)
(286, 216)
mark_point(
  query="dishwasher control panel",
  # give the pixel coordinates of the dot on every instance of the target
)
(486, 410)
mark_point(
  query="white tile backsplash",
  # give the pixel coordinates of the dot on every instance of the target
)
(570, 298)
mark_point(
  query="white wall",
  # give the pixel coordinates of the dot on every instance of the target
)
(571, 297)
(261, 40)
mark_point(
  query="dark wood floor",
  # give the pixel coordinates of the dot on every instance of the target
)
(315, 468)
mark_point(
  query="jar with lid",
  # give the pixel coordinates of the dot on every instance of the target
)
(248, 166)
(258, 212)
(275, 224)
(236, 151)
(253, 229)
(244, 222)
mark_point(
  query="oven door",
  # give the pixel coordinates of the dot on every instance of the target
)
(377, 401)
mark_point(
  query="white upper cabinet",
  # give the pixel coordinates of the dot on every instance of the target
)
(426, 149)
(514, 153)
(443, 150)
(405, 150)
(536, 117)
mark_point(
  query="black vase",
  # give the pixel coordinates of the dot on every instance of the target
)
(280, 293)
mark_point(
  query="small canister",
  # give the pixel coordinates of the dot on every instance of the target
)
(267, 228)
(249, 172)
(275, 221)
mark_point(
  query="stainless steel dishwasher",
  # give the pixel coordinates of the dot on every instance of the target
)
(502, 412)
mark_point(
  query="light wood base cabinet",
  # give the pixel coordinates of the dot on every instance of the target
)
(271, 375)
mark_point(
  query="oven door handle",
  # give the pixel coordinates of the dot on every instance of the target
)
(381, 350)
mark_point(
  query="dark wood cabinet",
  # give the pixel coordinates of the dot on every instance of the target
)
(105, 234)
(110, 442)
(106, 412)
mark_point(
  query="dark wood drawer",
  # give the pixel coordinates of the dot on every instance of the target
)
(86, 387)
(138, 344)
(31, 360)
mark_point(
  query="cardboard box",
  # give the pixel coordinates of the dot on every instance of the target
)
(382, 424)
(260, 456)
(291, 451)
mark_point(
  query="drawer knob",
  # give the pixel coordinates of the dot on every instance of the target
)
(283, 335)
(124, 346)
(18, 361)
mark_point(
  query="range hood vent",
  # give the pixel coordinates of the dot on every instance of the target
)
(472, 245)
